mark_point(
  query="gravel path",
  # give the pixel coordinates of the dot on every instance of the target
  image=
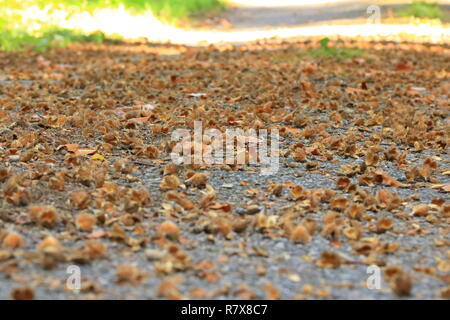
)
(291, 13)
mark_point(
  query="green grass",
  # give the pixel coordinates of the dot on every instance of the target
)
(338, 53)
(16, 34)
(170, 10)
(422, 10)
(13, 40)
(324, 51)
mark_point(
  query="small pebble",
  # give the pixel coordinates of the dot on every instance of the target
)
(248, 211)
(154, 254)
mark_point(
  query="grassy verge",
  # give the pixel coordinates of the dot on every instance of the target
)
(338, 53)
(17, 31)
(423, 10)
(11, 40)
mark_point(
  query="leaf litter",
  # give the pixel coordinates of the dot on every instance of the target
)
(86, 173)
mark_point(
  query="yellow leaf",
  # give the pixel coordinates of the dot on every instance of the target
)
(98, 156)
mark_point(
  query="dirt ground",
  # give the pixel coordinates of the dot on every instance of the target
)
(87, 179)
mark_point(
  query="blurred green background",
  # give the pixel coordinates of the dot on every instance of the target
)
(21, 27)
(17, 32)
